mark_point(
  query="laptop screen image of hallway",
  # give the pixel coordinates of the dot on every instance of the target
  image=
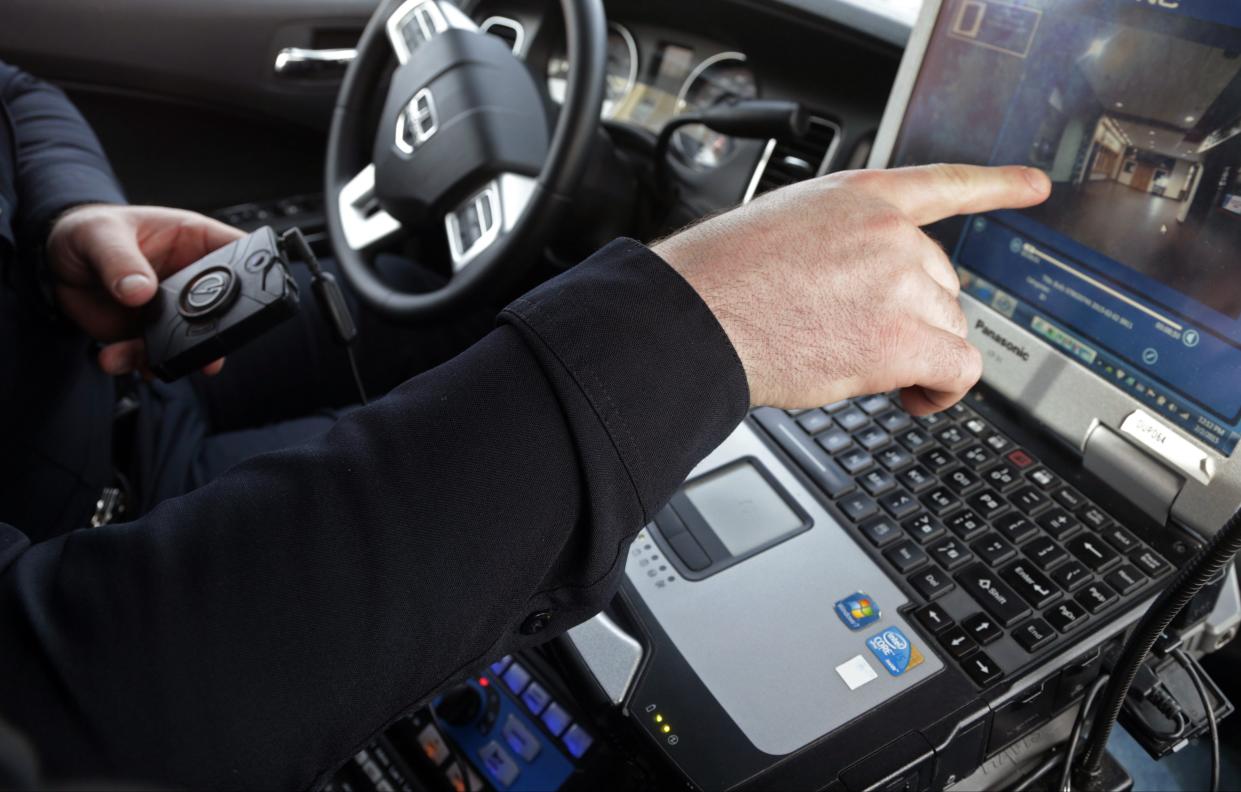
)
(1132, 266)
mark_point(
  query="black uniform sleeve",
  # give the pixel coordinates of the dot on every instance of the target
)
(59, 161)
(258, 631)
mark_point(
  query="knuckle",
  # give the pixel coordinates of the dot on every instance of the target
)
(954, 177)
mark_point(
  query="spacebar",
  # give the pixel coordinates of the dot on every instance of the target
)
(812, 459)
(995, 595)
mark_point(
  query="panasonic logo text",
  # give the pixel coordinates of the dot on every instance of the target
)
(1016, 349)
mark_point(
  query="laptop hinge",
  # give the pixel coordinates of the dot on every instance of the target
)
(1147, 482)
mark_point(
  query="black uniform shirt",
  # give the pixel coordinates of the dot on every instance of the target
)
(261, 629)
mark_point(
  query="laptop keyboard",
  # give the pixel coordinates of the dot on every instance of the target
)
(954, 506)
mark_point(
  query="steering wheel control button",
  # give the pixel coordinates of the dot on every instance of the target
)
(207, 292)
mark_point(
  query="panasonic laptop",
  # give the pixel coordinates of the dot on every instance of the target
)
(848, 598)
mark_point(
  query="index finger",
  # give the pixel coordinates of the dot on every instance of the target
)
(929, 193)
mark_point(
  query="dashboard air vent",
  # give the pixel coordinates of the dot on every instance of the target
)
(785, 161)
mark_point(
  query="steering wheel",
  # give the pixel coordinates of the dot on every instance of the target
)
(462, 148)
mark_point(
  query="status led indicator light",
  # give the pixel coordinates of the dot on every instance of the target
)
(666, 728)
(659, 718)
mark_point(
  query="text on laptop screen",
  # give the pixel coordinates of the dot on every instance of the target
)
(1133, 107)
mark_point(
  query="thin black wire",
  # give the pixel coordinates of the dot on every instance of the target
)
(1209, 707)
(1078, 725)
(357, 376)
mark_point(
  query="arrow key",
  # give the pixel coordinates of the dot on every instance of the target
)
(957, 642)
(982, 628)
(1094, 552)
(982, 669)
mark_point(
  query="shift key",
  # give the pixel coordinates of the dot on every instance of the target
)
(995, 595)
(809, 457)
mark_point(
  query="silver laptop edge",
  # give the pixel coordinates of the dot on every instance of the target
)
(1186, 481)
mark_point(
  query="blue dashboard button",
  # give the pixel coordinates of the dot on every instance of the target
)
(577, 741)
(499, 764)
(519, 738)
(498, 666)
(516, 677)
(556, 719)
(536, 698)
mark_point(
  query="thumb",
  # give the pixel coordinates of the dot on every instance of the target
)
(112, 250)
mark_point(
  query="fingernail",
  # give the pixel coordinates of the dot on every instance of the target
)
(1036, 179)
(132, 284)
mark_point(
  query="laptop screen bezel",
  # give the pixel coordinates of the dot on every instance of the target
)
(1069, 400)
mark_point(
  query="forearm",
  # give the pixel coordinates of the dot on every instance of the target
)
(260, 629)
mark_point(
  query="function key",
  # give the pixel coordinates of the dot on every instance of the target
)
(1071, 576)
(937, 460)
(981, 669)
(976, 426)
(1029, 500)
(940, 501)
(931, 583)
(855, 460)
(914, 439)
(877, 481)
(962, 481)
(987, 503)
(998, 443)
(880, 531)
(993, 549)
(1066, 616)
(1019, 458)
(952, 436)
(951, 553)
(933, 420)
(1033, 635)
(1126, 579)
(1044, 552)
(996, 597)
(1031, 584)
(906, 556)
(1015, 527)
(1059, 524)
(872, 437)
(1095, 517)
(1150, 562)
(1069, 498)
(966, 524)
(976, 456)
(874, 404)
(851, 419)
(899, 503)
(894, 458)
(982, 628)
(957, 642)
(933, 618)
(894, 420)
(1043, 477)
(1096, 597)
(1093, 552)
(814, 421)
(834, 440)
(809, 457)
(1003, 477)
(923, 527)
(857, 506)
(917, 478)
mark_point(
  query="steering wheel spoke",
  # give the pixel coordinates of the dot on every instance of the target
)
(364, 222)
(486, 216)
(416, 22)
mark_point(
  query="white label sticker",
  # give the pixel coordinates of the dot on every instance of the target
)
(856, 672)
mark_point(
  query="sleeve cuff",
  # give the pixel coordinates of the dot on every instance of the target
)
(647, 354)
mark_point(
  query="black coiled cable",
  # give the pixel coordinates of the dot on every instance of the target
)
(1208, 564)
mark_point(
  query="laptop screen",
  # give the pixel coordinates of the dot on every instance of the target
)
(1133, 267)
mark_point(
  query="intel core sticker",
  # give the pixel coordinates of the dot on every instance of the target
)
(857, 611)
(895, 651)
